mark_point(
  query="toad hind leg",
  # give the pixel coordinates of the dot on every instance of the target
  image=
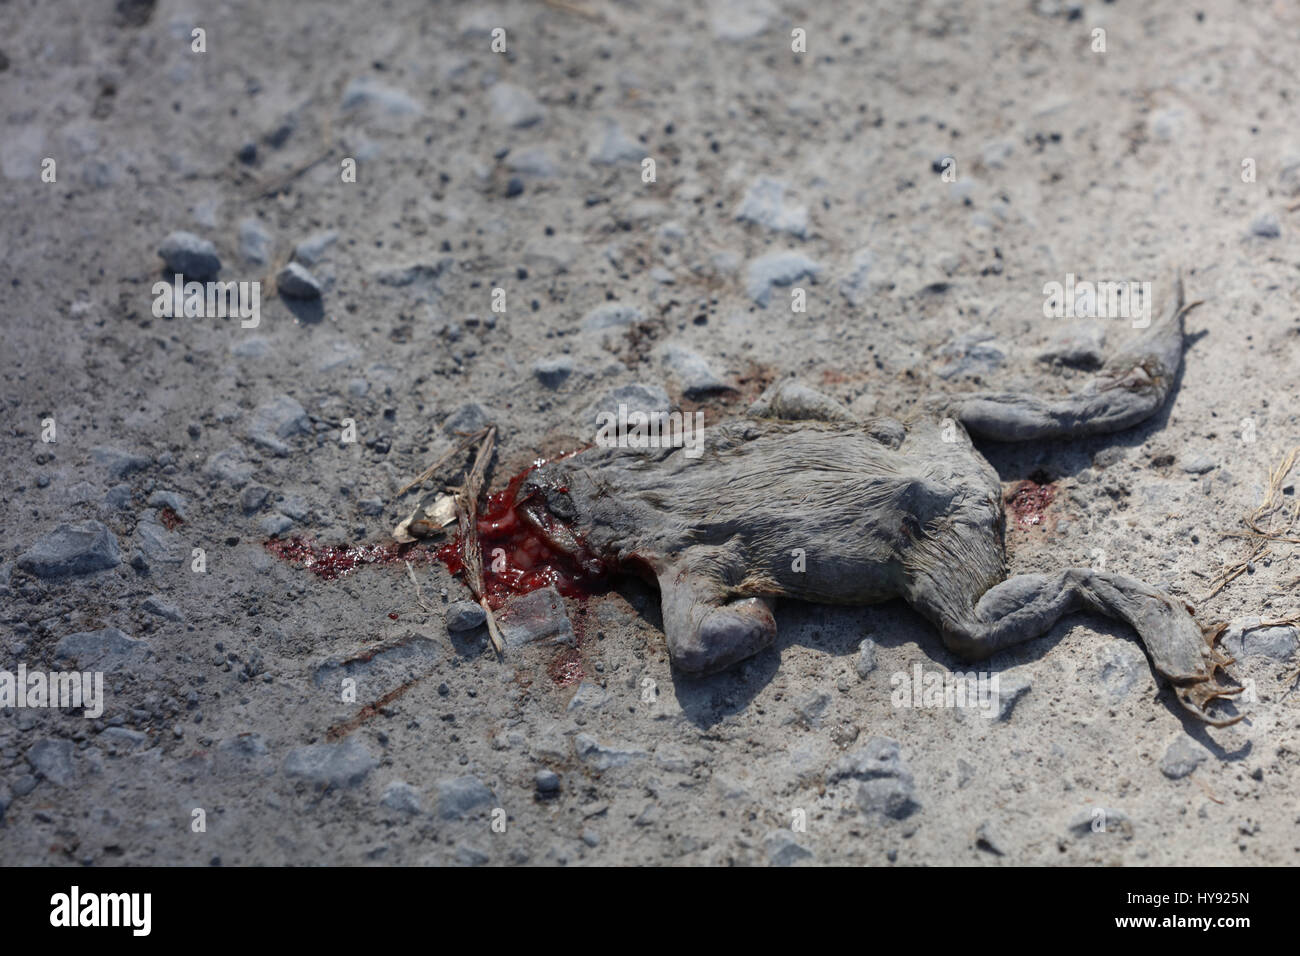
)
(1027, 605)
(1131, 388)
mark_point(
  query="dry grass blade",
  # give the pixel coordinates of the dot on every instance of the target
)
(1260, 525)
(471, 551)
(429, 472)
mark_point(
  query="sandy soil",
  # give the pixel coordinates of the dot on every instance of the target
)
(523, 171)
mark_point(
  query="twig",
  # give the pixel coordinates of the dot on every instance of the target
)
(467, 513)
(279, 185)
(419, 594)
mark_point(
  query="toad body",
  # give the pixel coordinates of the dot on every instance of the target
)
(797, 499)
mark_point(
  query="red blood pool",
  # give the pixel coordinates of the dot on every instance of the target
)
(1029, 500)
(334, 561)
(169, 518)
(517, 559)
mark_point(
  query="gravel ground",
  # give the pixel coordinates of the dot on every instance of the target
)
(504, 253)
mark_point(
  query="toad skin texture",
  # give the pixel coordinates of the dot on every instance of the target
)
(880, 509)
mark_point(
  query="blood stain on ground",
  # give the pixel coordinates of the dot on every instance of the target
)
(1028, 501)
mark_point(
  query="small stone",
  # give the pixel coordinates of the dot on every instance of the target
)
(764, 205)
(865, 662)
(118, 463)
(1121, 666)
(79, 548)
(588, 697)
(123, 738)
(1100, 820)
(1011, 687)
(989, 840)
(252, 498)
(777, 268)
(783, 849)
(464, 616)
(531, 161)
(402, 797)
(646, 399)
(343, 764)
(692, 370)
(1198, 464)
(861, 284)
(189, 255)
(553, 372)
(365, 95)
(514, 187)
(55, 760)
(603, 756)
(273, 421)
(533, 617)
(1266, 226)
(295, 282)
(229, 465)
(1245, 638)
(254, 242)
(971, 353)
(157, 605)
(590, 837)
(1182, 757)
(611, 315)
(460, 796)
(310, 250)
(514, 106)
(272, 526)
(548, 782)
(108, 648)
(468, 418)
(1078, 345)
(610, 145)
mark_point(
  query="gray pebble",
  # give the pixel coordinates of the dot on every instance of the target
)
(464, 616)
(553, 372)
(765, 205)
(278, 419)
(777, 268)
(783, 849)
(118, 463)
(295, 282)
(610, 145)
(189, 255)
(533, 617)
(311, 249)
(343, 764)
(1182, 757)
(402, 797)
(55, 760)
(460, 796)
(78, 548)
(254, 242)
(1266, 226)
(514, 106)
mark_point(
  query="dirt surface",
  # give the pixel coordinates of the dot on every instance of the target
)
(228, 733)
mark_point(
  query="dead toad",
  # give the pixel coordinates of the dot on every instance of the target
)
(878, 509)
